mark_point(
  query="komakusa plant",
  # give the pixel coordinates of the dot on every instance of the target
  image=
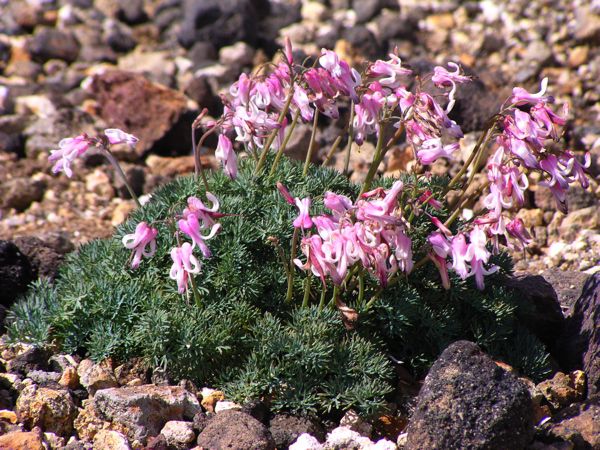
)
(398, 260)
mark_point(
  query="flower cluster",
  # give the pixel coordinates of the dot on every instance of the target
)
(258, 106)
(199, 224)
(370, 232)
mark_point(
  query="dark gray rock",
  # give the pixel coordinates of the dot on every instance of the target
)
(568, 286)
(15, 273)
(118, 36)
(34, 358)
(258, 410)
(200, 421)
(20, 193)
(285, 429)
(135, 177)
(44, 259)
(132, 12)
(579, 345)
(200, 90)
(365, 9)
(364, 42)
(236, 431)
(221, 22)
(51, 43)
(467, 401)
(539, 308)
(202, 54)
(12, 143)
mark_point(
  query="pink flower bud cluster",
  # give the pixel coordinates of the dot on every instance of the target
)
(370, 232)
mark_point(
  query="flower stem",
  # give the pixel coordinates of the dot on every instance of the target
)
(311, 146)
(285, 142)
(334, 147)
(379, 152)
(350, 139)
(290, 270)
(196, 293)
(306, 297)
(266, 148)
(322, 300)
(111, 158)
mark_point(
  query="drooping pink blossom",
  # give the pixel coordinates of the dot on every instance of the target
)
(443, 78)
(184, 264)
(225, 154)
(192, 227)
(522, 97)
(389, 71)
(68, 150)
(139, 241)
(303, 220)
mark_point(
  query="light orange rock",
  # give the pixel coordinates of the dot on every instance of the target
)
(21, 440)
(69, 378)
(50, 409)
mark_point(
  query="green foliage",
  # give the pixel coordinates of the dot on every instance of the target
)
(244, 336)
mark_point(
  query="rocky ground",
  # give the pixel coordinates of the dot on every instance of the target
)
(149, 66)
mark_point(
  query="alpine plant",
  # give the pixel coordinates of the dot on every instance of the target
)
(371, 234)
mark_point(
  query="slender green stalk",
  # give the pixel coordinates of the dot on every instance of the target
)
(290, 270)
(271, 138)
(322, 299)
(111, 158)
(306, 297)
(197, 161)
(285, 142)
(334, 147)
(197, 298)
(361, 289)
(377, 158)
(336, 291)
(350, 139)
(311, 145)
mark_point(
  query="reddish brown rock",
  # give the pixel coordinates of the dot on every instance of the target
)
(147, 110)
(94, 376)
(579, 424)
(21, 440)
(563, 389)
(50, 409)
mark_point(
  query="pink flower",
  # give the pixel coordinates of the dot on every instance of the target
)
(432, 149)
(303, 220)
(427, 197)
(516, 228)
(443, 78)
(459, 250)
(69, 149)
(337, 203)
(184, 264)
(478, 256)
(191, 226)
(226, 155)
(203, 212)
(143, 237)
(391, 70)
(522, 97)
(116, 136)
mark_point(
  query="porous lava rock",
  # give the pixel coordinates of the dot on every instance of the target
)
(22, 440)
(15, 273)
(467, 401)
(235, 430)
(578, 424)
(285, 429)
(52, 410)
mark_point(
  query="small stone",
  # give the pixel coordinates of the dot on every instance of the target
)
(94, 377)
(306, 442)
(225, 405)
(578, 425)
(21, 440)
(15, 275)
(54, 440)
(586, 218)
(179, 434)
(99, 183)
(43, 378)
(313, 11)
(9, 416)
(444, 21)
(69, 378)
(20, 193)
(531, 217)
(562, 389)
(239, 54)
(50, 409)
(285, 429)
(51, 43)
(121, 212)
(353, 421)
(111, 440)
(578, 56)
(210, 397)
(118, 36)
(344, 437)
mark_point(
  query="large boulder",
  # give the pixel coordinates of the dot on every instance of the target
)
(468, 401)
